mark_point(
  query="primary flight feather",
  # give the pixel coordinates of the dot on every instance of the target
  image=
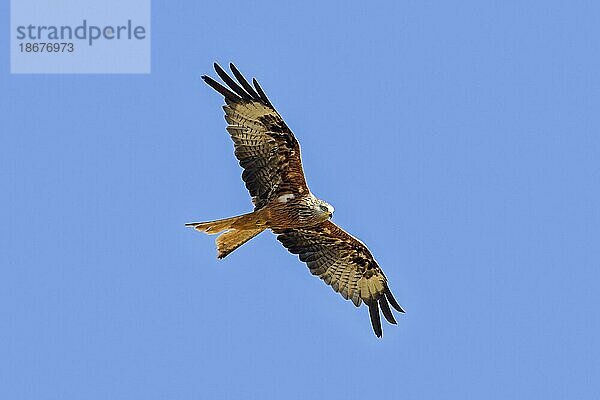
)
(269, 153)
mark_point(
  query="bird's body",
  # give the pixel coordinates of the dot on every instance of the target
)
(270, 155)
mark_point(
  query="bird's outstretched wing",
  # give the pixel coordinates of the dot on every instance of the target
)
(346, 264)
(265, 147)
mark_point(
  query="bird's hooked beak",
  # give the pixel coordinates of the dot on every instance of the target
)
(331, 210)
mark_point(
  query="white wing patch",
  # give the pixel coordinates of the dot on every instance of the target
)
(285, 198)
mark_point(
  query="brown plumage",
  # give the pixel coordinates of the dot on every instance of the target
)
(269, 153)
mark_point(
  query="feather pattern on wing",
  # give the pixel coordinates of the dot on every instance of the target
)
(264, 145)
(344, 263)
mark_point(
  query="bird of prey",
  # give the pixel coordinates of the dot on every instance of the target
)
(269, 154)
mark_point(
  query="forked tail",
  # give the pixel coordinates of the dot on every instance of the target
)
(238, 229)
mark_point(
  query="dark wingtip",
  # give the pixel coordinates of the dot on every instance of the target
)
(217, 68)
(392, 300)
(228, 94)
(387, 312)
(375, 318)
(261, 93)
(238, 75)
(231, 83)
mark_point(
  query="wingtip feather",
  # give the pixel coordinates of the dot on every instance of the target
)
(261, 93)
(375, 318)
(238, 75)
(387, 312)
(225, 92)
(231, 83)
(392, 300)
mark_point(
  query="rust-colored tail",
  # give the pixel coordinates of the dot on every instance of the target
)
(238, 229)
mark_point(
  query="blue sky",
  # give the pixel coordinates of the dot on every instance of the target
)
(459, 140)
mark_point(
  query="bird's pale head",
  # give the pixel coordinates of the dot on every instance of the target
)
(326, 209)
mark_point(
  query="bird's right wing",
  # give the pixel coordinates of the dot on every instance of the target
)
(346, 264)
(264, 145)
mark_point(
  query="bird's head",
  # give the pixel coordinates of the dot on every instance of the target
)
(326, 209)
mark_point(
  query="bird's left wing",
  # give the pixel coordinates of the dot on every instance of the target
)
(346, 264)
(264, 145)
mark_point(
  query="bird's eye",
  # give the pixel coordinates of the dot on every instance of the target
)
(324, 208)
